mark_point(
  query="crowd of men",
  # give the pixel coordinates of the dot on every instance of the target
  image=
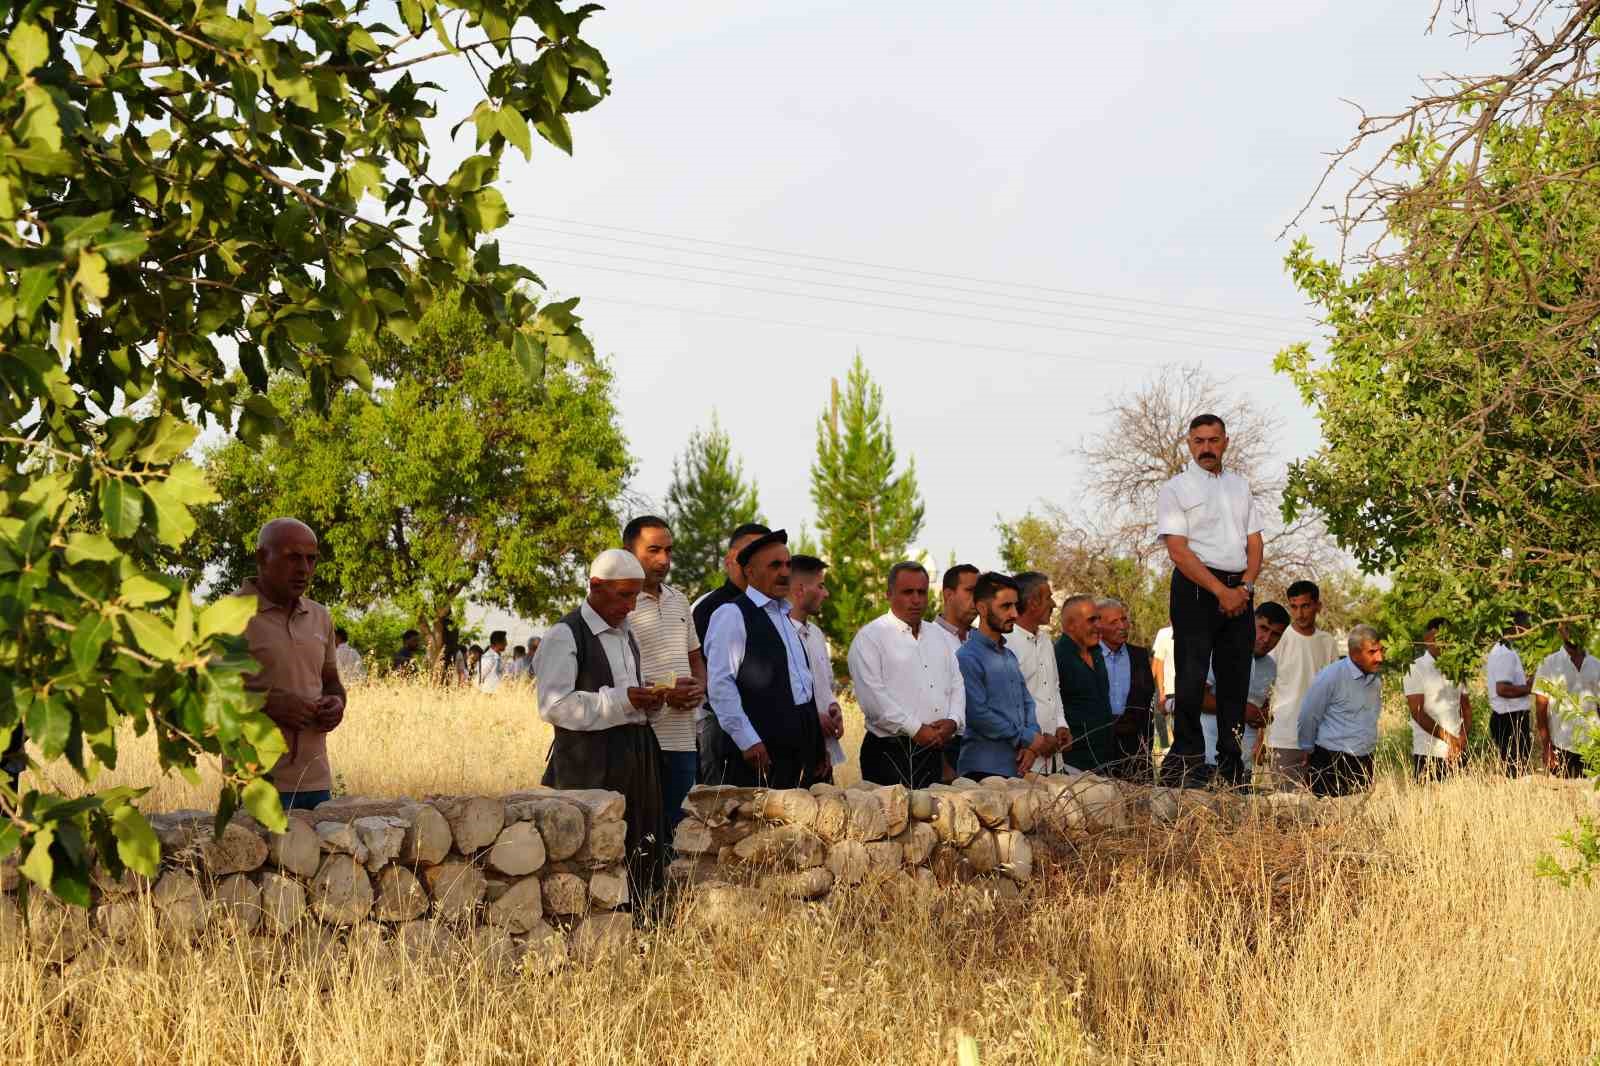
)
(649, 694)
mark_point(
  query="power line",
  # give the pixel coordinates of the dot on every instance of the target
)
(1270, 315)
(1267, 334)
(895, 307)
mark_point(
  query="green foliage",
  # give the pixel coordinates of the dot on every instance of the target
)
(867, 514)
(375, 632)
(464, 475)
(1458, 409)
(1077, 562)
(707, 500)
(178, 180)
(1584, 843)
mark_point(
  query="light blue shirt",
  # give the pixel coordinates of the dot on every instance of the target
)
(1000, 709)
(1120, 671)
(1340, 710)
(725, 644)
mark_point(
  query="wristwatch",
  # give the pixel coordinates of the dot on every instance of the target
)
(1249, 587)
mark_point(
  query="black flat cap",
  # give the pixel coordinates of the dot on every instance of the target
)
(748, 552)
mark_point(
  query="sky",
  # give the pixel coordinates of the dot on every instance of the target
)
(1049, 203)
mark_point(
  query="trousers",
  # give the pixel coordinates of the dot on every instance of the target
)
(1339, 773)
(1513, 739)
(898, 761)
(1204, 639)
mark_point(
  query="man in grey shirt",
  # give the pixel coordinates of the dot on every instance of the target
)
(1339, 718)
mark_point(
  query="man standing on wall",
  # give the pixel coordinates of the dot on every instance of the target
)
(1304, 652)
(1212, 530)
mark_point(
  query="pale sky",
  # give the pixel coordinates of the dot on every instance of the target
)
(1118, 167)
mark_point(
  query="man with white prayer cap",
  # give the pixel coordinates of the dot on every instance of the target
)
(589, 687)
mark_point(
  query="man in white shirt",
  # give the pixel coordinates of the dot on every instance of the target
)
(909, 686)
(1567, 698)
(1510, 699)
(808, 588)
(1030, 642)
(351, 668)
(1163, 663)
(589, 687)
(1304, 652)
(958, 610)
(1441, 713)
(491, 666)
(1211, 526)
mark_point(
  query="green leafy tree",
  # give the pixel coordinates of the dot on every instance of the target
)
(180, 180)
(707, 499)
(867, 514)
(465, 476)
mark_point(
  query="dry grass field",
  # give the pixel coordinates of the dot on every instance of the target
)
(1413, 932)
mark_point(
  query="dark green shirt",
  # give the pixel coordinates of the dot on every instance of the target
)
(1086, 701)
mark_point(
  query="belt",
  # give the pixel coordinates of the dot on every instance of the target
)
(1230, 578)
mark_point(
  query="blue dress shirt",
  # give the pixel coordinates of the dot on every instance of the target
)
(1120, 671)
(1000, 711)
(1340, 710)
(725, 644)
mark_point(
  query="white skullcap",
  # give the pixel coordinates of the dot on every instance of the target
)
(616, 564)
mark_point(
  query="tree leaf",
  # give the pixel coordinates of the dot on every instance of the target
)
(227, 616)
(121, 506)
(91, 547)
(485, 209)
(28, 47)
(32, 290)
(169, 438)
(49, 723)
(39, 867)
(137, 844)
(511, 122)
(261, 800)
(139, 591)
(91, 277)
(121, 245)
(152, 635)
(88, 638)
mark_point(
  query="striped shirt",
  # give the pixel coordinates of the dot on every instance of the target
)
(664, 628)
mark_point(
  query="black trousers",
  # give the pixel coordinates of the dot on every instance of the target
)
(1513, 739)
(1206, 639)
(1433, 768)
(1338, 773)
(899, 761)
(1569, 764)
(796, 765)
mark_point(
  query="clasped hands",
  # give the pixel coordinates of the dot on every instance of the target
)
(1233, 601)
(935, 734)
(321, 715)
(684, 694)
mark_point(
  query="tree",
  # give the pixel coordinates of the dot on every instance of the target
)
(1079, 560)
(464, 476)
(173, 177)
(708, 499)
(867, 514)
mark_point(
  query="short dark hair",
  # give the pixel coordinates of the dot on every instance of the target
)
(747, 529)
(806, 565)
(498, 636)
(475, 648)
(631, 531)
(1275, 613)
(904, 568)
(408, 634)
(1029, 582)
(1437, 622)
(340, 633)
(1304, 588)
(952, 576)
(518, 650)
(1207, 419)
(990, 584)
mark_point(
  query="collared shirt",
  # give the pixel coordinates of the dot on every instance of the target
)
(1164, 650)
(491, 671)
(1300, 658)
(958, 635)
(1120, 673)
(294, 647)
(1263, 673)
(1000, 710)
(1441, 700)
(1036, 655)
(351, 666)
(904, 680)
(1215, 512)
(1340, 712)
(1574, 695)
(702, 609)
(555, 668)
(815, 642)
(725, 644)
(1504, 664)
(663, 624)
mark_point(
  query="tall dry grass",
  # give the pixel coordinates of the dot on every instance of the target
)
(1413, 931)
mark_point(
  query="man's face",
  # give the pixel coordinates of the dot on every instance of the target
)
(1369, 657)
(285, 565)
(808, 592)
(613, 600)
(413, 641)
(959, 606)
(1430, 642)
(499, 647)
(730, 562)
(653, 549)
(1303, 612)
(1113, 627)
(1000, 613)
(1267, 636)
(909, 597)
(768, 571)
(1206, 445)
(1037, 610)
(1081, 622)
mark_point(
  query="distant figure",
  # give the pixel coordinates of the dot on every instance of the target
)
(670, 659)
(407, 660)
(1029, 640)
(351, 668)
(1567, 719)
(492, 663)
(1132, 688)
(589, 687)
(808, 589)
(1510, 699)
(474, 660)
(1211, 526)
(707, 728)
(518, 670)
(1271, 623)
(1303, 652)
(292, 638)
(1441, 712)
(1339, 718)
(1086, 687)
(1002, 737)
(1163, 663)
(957, 611)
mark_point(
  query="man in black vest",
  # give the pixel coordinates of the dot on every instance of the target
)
(588, 686)
(760, 680)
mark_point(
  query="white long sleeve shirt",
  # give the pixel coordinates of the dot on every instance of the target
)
(904, 680)
(816, 644)
(1037, 656)
(1573, 695)
(725, 646)
(555, 669)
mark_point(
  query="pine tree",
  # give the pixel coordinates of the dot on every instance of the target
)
(707, 499)
(867, 515)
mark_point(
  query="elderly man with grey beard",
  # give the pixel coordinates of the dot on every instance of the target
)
(1339, 718)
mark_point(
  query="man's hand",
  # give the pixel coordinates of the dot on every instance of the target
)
(1233, 601)
(929, 736)
(1025, 759)
(1254, 715)
(686, 693)
(1551, 763)
(648, 700)
(946, 727)
(1458, 746)
(330, 712)
(1063, 739)
(833, 722)
(290, 711)
(756, 755)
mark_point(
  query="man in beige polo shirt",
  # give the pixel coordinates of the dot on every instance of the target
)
(292, 638)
